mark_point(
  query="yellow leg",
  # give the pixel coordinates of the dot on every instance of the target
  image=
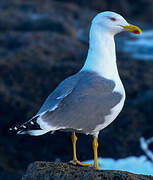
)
(75, 161)
(95, 148)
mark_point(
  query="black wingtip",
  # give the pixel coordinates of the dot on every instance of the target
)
(14, 128)
(20, 129)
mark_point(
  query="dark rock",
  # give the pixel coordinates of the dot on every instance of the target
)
(67, 171)
(4, 175)
(123, 7)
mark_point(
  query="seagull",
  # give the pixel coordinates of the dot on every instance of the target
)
(91, 99)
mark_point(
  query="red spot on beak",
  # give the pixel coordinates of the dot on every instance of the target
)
(135, 32)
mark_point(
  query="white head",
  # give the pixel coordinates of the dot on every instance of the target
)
(102, 55)
(113, 23)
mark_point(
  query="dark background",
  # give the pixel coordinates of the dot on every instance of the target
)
(41, 43)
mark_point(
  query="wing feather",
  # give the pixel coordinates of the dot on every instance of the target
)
(35, 126)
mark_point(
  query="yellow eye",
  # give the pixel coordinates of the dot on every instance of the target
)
(112, 19)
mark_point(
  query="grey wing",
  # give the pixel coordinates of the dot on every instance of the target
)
(51, 103)
(80, 102)
(62, 90)
(84, 109)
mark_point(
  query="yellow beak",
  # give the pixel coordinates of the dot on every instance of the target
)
(133, 29)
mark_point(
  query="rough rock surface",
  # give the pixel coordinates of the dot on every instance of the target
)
(67, 171)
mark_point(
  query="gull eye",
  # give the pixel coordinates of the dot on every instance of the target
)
(112, 19)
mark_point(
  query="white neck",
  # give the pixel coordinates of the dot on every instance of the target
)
(101, 54)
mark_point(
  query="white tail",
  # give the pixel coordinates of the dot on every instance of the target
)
(33, 132)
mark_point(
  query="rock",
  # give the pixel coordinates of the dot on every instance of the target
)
(123, 7)
(67, 171)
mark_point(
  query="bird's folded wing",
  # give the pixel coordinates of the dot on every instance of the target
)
(51, 103)
(62, 90)
(80, 102)
(91, 100)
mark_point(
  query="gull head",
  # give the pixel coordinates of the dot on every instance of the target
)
(113, 23)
